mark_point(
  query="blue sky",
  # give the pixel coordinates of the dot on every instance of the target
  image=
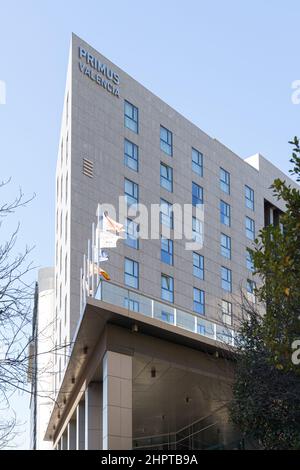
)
(227, 66)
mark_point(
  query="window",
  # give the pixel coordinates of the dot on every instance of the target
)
(166, 138)
(131, 304)
(166, 213)
(131, 273)
(199, 301)
(166, 254)
(167, 288)
(249, 198)
(131, 234)
(131, 155)
(61, 152)
(226, 279)
(61, 187)
(198, 265)
(225, 246)
(225, 181)
(66, 227)
(249, 261)
(197, 230)
(225, 216)
(67, 186)
(66, 267)
(226, 312)
(131, 192)
(197, 194)
(131, 116)
(197, 162)
(67, 148)
(66, 308)
(167, 316)
(251, 286)
(250, 228)
(166, 177)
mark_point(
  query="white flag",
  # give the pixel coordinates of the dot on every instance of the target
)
(111, 225)
(108, 240)
(101, 256)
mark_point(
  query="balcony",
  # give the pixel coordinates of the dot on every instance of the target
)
(133, 301)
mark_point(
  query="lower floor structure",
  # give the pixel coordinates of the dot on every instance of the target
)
(134, 383)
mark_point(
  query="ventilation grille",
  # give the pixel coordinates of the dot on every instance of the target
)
(88, 168)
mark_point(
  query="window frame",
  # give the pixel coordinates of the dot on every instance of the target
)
(132, 275)
(166, 144)
(131, 118)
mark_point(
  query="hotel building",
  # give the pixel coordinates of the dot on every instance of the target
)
(144, 362)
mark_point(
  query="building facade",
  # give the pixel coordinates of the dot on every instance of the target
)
(144, 361)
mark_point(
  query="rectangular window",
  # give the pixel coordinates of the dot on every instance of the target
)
(166, 139)
(251, 286)
(167, 316)
(66, 267)
(197, 162)
(133, 305)
(197, 194)
(131, 192)
(197, 230)
(166, 253)
(250, 228)
(166, 213)
(226, 279)
(226, 312)
(198, 265)
(249, 261)
(131, 273)
(131, 155)
(166, 177)
(167, 288)
(225, 246)
(131, 117)
(249, 197)
(67, 187)
(199, 301)
(67, 148)
(66, 227)
(131, 234)
(225, 181)
(225, 216)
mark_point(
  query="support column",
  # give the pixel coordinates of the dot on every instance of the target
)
(93, 416)
(117, 401)
(72, 435)
(80, 426)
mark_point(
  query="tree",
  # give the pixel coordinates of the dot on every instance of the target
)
(266, 390)
(15, 316)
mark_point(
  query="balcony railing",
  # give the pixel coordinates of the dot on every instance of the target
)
(133, 301)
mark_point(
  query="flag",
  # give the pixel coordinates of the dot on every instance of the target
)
(103, 256)
(104, 274)
(108, 240)
(94, 269)
(111, 225)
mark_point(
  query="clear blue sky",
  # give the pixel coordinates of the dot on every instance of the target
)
(227, 66)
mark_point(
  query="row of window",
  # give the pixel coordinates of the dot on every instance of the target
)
(131, 279)
(167, 249)
(166, 145)
(131, 191)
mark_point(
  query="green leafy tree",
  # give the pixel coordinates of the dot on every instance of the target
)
(266, 390)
